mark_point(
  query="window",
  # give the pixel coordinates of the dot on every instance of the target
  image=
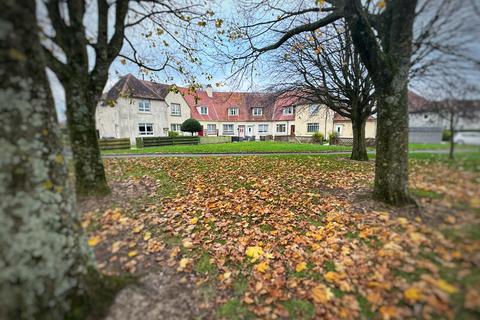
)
(176, 127)
(262, 128)
(313, 109)
(175, 109)
(233, 111)
(228, 129)
(144, 106)
(211, 128)
(281, 128)
(203, 110)
(145, 129)
(338, 129)
(257, 111)
(288, 110)
(312, 127)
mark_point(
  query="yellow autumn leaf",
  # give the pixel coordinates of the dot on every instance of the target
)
(388, 312)
(262, 266)
(133, 253)
(381, 4)
(445, 286)
(417, 237)
(147, 235)
(138, 228)
(412, 294)
(93, 241)
(301, 266)
(321, 294)
(194, 220)
(332, 276)
(187, 244)
(183, 264)
(254, 252)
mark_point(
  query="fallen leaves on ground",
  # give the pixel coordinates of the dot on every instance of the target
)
(276, 232)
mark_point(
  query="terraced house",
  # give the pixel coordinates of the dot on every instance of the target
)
(134, 108)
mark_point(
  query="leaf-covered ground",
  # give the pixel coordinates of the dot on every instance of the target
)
(294, 237)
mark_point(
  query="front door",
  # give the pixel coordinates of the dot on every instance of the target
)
(241, 131)
(292, 130)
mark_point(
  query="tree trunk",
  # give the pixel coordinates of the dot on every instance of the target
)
(89, 170)
(359, 150)
(391, 164)
(43, 255)
(452, 141)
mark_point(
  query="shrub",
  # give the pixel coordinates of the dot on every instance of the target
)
(191, 125)
(332, 137)
(173, 134)
(446, 135)
(318, 137)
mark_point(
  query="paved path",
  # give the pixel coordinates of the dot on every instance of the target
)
(238, 154)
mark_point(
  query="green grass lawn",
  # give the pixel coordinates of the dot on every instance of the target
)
(257, 146)
(438, 146)
(265, 146)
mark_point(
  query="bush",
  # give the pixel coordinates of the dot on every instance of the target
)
(447, 134)
(173, 134)
(318, 137)
(332, 136)
(191, 125)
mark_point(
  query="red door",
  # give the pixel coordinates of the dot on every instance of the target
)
(292, 130)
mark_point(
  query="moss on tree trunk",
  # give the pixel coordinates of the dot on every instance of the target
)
(89, 170)
(391, 165)
(43, 255)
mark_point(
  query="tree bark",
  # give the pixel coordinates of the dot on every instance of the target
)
(451, 153)
(89, 171)
(359, 150)
(387, 59)
(43, 255)
(391, 164)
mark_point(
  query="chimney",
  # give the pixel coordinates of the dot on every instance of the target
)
(208, 90)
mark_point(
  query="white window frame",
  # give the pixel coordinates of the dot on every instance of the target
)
(228, 132)
(313, 127)
(287, 111)
(257, 111)
(252, 127)
(203, 110)
(233, 111)
(146, 132)
(338, 129)
(281, 125)
(209, 130)
(175, 109)
(144, 106)
(260, 126)
(176, 125)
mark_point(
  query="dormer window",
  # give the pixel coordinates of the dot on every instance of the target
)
(288, 110)
(144, 106)
(202, 110)
(233, 111)
(257, 111)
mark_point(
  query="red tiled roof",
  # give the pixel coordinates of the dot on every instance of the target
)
(219, 103)
(416, 102)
